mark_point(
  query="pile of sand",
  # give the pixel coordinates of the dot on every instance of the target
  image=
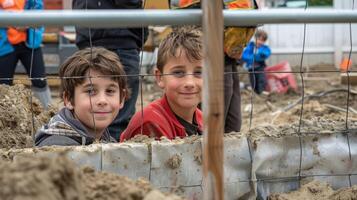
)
(316, 119)
(58, 178)
(19, 119)
(40, 178)
(316, 190)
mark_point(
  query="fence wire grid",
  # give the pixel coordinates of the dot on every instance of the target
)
(301, 101)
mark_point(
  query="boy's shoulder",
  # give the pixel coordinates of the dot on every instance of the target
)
(156, 110)
(159, 112)
(264, 47)
(58, 132)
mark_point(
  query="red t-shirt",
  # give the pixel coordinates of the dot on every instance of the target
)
(158, 120)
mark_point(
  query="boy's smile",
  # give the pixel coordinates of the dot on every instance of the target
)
(182, 84)
(101, 115)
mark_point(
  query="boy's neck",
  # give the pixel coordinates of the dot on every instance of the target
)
(187, 117)
(185, 114)
(96, 134)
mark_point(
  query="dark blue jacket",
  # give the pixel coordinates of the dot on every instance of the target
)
(110, 38)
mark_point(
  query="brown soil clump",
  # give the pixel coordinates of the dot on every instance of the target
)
(323, 98)
(44, 178)
(40, 178)
(174, 161)
(110, 186)
(192, 139)
(345, 194)
(140, 139)
(275, 116)
(19, 117)
(316, 190)
(197, 155)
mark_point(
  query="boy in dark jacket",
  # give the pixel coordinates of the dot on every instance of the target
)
(126, 42)
(178, 73)
(93, 88)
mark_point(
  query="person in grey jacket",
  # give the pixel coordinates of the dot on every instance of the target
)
(126, 42)
(93, 88)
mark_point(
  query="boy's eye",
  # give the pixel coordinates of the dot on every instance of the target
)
(111, 91)
(179, 73)
(90, 92)
(198, 73)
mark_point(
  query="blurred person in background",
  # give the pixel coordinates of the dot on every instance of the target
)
(23, 43)
(254, 55)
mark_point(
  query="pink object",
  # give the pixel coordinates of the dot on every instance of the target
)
(277, 81)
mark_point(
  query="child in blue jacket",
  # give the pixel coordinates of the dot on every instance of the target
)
(254, 55)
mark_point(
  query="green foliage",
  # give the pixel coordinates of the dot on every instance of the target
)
(320, 2)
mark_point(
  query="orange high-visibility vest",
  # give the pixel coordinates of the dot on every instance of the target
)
(235, 38)
(233, 4)
(239, 4)
(186, 3)
(14, 36)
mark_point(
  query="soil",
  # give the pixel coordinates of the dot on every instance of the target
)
(140, 139)
(46, 178)
(324, 109)
(197, 154)
(316, 190)
(40, 178)
(19, 117)
(174, 162)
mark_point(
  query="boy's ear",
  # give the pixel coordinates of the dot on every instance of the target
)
(158, 77)
(66, 101)
(121, 104)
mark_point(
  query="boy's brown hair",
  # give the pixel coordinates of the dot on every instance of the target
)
(186, 39)
(261, 34)
(73, 71)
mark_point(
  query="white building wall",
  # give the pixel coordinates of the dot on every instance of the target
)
(324, 43)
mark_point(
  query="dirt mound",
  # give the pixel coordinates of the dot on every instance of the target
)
(58, 178)
(40, 178)
(312, 126)
(110, 186)
(316, 190)
(18, 119)
(328, 110)
(140, 139)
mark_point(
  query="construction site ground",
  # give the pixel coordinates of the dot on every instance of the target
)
(325, 98)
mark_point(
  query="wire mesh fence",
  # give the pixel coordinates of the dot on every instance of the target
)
(345, 135)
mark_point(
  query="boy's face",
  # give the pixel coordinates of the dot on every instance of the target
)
(183, 87)
(96, 102)
(260, 41)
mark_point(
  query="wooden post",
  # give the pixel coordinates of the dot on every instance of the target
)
(213, 102)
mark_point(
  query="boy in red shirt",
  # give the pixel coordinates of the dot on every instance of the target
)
(178, 73)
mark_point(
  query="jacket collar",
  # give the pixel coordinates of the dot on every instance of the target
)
(197, 114)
